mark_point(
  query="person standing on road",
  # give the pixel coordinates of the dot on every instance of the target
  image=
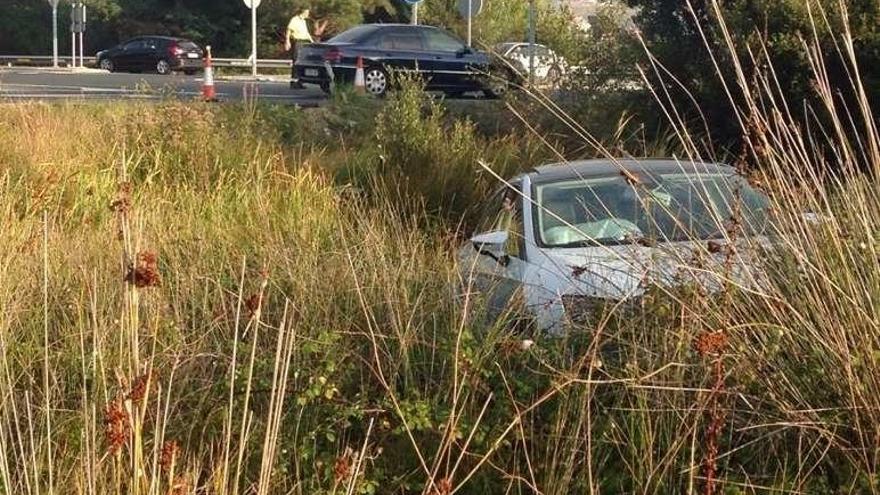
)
(297, 32)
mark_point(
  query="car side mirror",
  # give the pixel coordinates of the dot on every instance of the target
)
(491, 244)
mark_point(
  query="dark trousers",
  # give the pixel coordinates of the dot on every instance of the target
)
(294, 51)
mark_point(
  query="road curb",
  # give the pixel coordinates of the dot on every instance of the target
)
(275, 79)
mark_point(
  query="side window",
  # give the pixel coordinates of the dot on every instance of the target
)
(401, 40)
(441, 41)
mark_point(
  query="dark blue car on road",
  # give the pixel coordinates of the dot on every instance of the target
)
(442, 60)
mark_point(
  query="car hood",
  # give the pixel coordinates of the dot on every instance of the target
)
(621, 272)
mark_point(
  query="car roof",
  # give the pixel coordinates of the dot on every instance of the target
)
(398, 24)
(157, 37)
(555, 172)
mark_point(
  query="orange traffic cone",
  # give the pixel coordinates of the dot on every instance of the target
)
(360, 84)
(208, 92)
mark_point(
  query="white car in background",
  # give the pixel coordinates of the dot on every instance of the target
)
(549, 67)
(565, 239)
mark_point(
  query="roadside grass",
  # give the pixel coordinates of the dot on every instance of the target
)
(248, 299)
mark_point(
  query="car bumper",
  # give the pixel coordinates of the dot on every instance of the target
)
(324, 74)
(187, 64)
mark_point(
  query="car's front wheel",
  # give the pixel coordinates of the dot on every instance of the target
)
(376, 81)
(107, 64)
(163, 67)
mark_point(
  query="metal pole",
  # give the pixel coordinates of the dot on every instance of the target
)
(254, 38)
(55, 35)
(531, 42)
(82, 45)
(470, 22)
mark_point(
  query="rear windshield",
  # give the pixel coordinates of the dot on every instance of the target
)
(353, 35)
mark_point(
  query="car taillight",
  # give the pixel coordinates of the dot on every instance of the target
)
(333, 55)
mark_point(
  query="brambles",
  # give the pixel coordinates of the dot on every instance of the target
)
(169, 455)
(139, 389)
(275, 387)
(122, 203)
(117, 425)
(145, 272)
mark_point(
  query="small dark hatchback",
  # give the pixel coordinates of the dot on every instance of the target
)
(159, 54)
(442, 60)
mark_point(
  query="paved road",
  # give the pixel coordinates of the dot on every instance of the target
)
(48, 84)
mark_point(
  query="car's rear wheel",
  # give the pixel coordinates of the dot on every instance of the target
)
(163, 67)
(107, 64)
(554, 77)
(376, 81)
(496, 87)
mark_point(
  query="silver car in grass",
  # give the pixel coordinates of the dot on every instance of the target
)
(567, 237)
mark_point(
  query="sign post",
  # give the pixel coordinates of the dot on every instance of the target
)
(54, 5)
(78, 26)
(253, 5)
(470, 5)
(469, 9)
(414, 20)
(532, 15)
(82, 30)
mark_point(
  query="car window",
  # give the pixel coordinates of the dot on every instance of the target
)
(672, 207)
(441, 41)
(353, 35)
(401, 40)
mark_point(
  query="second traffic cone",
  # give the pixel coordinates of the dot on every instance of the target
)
(360, 84)
(208, 92)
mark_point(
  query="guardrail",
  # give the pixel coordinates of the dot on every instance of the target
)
(46, 61)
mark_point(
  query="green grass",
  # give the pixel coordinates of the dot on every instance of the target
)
(301, 330)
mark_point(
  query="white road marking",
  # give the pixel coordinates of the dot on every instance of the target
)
(48, 96)
(65, 88)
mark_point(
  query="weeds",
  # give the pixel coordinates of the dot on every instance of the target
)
(240, 321)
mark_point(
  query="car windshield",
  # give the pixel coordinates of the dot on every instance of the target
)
(353, 35)
(673, 207)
